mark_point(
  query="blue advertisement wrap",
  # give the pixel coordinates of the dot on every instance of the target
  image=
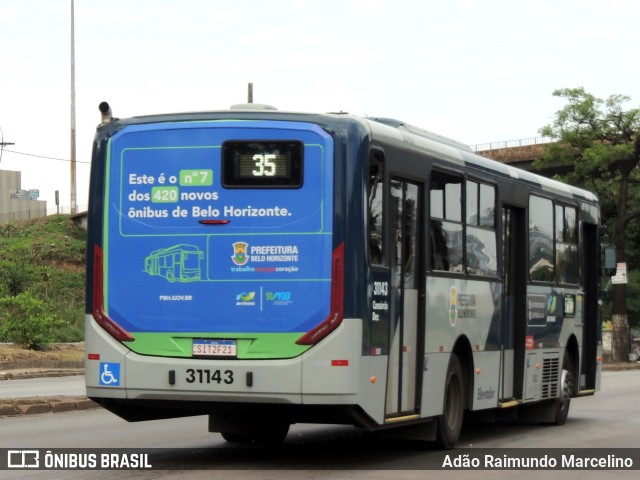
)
(186, 254)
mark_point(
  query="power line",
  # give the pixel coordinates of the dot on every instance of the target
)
(44, 156)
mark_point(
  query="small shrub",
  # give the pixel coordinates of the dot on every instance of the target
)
(27, 321)
(14, 277)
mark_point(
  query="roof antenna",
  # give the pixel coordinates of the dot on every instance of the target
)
(250, 105)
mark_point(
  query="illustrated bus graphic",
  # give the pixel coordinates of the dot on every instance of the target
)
(179, 263)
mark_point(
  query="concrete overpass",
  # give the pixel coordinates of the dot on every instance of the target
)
(519, 153)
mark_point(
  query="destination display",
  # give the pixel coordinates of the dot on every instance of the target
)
(251, 164)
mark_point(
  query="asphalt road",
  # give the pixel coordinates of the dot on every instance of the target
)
(610, 419)
(43, 387)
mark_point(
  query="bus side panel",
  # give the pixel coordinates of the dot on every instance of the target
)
(458, 307)
(372, 386)
(467, 311)
(435, 372)
(486, 379)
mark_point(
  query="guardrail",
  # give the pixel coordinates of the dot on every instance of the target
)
(523, 142)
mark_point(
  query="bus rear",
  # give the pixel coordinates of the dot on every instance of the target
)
(213, 269)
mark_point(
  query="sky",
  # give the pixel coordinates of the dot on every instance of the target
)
(478, 71)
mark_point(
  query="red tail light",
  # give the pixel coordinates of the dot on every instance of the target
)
(97, 308)
(336, 312)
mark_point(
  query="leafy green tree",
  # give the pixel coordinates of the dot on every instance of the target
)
(600, 139)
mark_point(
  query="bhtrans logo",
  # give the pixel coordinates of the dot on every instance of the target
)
(246, 299)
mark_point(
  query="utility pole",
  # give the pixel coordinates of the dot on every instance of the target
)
(73, 116)
(3, 143)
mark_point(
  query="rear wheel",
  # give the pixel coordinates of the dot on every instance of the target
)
(450, 422)
(233, 437)
(567, 386)
(271, 435)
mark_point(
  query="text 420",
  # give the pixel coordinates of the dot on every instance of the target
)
(204, 375)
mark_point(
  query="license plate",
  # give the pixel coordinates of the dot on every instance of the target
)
(214, 348)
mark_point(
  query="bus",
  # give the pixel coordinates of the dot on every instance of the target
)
(345, 270)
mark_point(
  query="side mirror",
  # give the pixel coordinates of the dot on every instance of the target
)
(610, 262)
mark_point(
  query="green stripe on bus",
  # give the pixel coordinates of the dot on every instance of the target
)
(251, 346)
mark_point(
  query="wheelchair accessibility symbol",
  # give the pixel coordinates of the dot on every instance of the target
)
(110, 374)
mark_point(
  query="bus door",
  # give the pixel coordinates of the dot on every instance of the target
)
(514, 271)
(404, 220)
(592, 330)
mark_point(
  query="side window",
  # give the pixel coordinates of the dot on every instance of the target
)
(566, 244)
(481, 247)
(541, 261)
(375, 208)
(445, 194)
(487, 213)
(553, 242)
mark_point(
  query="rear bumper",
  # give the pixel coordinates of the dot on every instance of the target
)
(326, 374)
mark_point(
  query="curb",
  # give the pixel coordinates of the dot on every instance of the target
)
(10, 407)
(16, 374)
(619, 367)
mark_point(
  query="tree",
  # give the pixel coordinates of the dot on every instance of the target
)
(601, 140)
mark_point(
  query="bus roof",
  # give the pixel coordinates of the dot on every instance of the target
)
(462, 155)
(386, 130)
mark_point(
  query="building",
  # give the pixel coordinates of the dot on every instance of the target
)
(17, 203)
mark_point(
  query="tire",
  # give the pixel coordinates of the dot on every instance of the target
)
(233, 437)
(450, 422)
(567, 386)
(271, 435)
(274, 435)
